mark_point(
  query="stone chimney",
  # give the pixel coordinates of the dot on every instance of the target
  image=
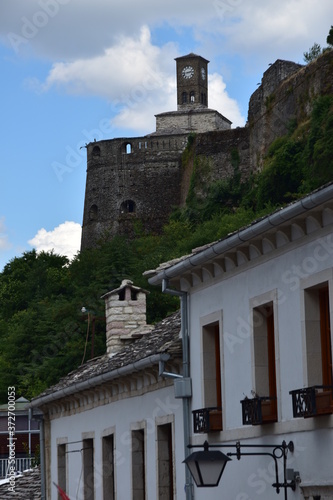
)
(125, 314)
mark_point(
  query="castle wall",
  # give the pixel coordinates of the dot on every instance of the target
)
(287, 91)
(130, 180)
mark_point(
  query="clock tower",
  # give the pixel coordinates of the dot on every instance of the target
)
(192, 86)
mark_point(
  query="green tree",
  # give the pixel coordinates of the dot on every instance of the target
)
(313, 53)
(329, 38)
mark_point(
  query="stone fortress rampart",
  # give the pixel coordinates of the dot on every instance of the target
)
(134, 183)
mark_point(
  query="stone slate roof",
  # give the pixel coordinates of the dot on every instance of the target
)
(163, 338)
(27, 487)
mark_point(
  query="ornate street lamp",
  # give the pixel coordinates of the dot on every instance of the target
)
(207, 466)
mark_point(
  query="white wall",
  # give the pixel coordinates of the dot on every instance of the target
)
(281, 277)
(147, 411)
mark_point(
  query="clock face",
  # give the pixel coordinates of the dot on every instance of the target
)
(188, 72)
(203, 73)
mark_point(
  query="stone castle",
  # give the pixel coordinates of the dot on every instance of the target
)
(136, 182)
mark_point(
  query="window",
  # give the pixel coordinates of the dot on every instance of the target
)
(165, 462)
(212, 366)
(96, 151)
(108, 467)
(138, 465)
(127, 207)
(93, 213)
(62, 473)
(128, 148)
(317, 397)
(264, 360)
(209, 418)
(318, 336)
(184, 97)
(88, 469)
(192, 96)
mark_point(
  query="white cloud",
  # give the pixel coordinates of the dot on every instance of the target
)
(267, 28)
(65, 239)
(220, 100)
(138, 78)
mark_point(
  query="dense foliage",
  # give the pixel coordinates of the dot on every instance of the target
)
(42, 329)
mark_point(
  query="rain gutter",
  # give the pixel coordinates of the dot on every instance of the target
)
(244, 235)
(99, 379)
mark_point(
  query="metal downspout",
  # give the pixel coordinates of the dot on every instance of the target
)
(42, 458)
(186, 373)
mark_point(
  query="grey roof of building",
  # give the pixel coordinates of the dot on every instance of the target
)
(164, 338)
(26, 487)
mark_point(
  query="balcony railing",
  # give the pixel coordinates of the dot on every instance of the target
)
(207, 419)
(312, 401)
(260, 410)
(21, 464)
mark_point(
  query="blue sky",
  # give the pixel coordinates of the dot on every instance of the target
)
(75, 70)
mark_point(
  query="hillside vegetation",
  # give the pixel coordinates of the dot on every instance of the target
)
(43, 332)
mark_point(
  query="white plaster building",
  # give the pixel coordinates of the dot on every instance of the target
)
(113, 428)
(259, 308)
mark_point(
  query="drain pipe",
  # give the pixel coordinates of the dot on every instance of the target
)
(186, 374)
(40, 419)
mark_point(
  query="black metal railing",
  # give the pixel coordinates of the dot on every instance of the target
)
(259, 410)
(312, 401)
(207, 419)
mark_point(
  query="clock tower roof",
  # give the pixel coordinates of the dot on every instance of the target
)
(191, 55)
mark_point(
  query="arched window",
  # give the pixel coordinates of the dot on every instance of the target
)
(96, 151)
(93, 213)
(192, 98)
(184, 97)
(127, 207)
(128, 148)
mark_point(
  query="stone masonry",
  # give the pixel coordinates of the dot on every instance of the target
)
(125, 314)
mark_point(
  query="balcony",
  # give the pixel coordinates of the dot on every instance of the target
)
(207, 420)
(259, 410)
(312, 401)
(21, 464)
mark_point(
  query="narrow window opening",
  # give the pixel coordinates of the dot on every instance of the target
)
(108, 468)
(264, 360)
(62, 473)
(165, 462)
(88, 469)
(318, 336)
(96, 151)
(192, 96)
(138, 465)
(93, 213)
(134, 295)
(184, 97)
(128, 148)
(212, 411)
(127, 207)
